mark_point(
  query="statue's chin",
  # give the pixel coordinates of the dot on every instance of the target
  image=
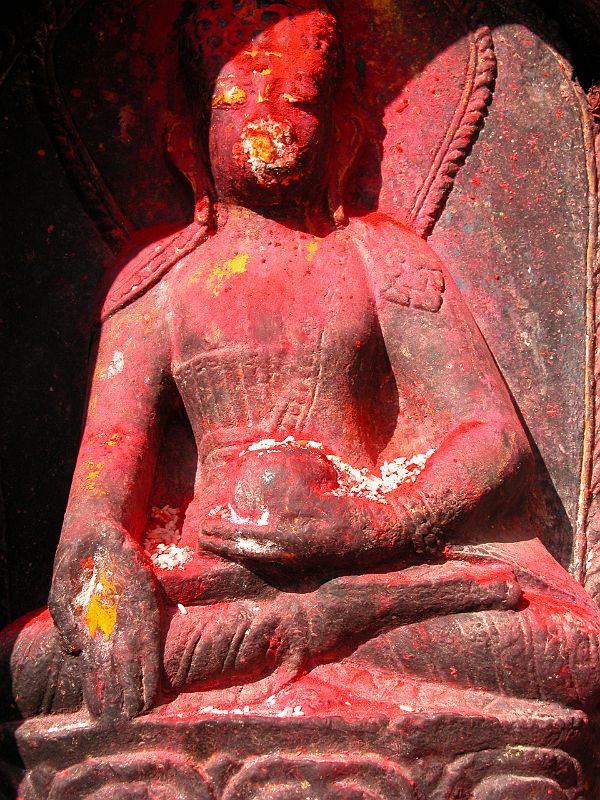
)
(271, 191)
(269, 177)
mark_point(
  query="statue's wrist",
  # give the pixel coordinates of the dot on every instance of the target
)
(419, 523)
(89, 531)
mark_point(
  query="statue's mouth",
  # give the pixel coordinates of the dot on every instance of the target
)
(270, 149)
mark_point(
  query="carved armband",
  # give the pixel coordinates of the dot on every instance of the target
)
(415, 285)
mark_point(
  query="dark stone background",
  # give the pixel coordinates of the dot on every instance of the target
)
(52, 261)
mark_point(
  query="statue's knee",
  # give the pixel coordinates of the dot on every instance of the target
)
(582, 643)
(36, 674)
(566, 648)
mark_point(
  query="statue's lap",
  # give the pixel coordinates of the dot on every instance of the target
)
(545, 649)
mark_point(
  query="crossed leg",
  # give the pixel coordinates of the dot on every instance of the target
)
(457, 623)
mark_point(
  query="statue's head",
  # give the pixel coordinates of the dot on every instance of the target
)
(264, 76)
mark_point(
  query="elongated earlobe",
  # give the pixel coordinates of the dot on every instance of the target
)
(187, 157)
(348, 137)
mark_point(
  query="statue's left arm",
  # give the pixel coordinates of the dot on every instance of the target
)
(449, 381)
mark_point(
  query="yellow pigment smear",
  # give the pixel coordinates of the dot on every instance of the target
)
(262, 96)
(311, 249)
(90, 482)
(261, 147)
(221, 273)
(231, 97)
(101, 611)
(113, 439)
(254, 53)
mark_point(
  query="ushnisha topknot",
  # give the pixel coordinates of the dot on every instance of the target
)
(211, 33)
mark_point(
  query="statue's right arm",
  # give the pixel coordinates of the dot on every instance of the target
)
(103, 597)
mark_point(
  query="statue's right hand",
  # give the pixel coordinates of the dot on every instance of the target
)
(104, 603)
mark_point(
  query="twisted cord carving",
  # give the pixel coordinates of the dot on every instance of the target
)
(588, 536)
(78, 164)
(143, 271)
(586, 551)
(462, 131)
(587, 559)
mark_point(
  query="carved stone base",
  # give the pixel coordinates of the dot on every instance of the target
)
(293, 747)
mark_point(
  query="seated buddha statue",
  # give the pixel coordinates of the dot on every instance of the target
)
(359, 459)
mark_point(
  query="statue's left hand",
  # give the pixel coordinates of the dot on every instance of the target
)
(105, 605)
(281, 506)
(316, 529)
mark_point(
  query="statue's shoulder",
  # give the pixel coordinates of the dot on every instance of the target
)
(145, 261)
(404, 269)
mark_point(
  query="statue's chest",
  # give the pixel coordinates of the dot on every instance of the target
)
(296, 297)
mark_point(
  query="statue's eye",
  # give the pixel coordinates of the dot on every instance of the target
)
(305, 92)
(301, 97)
(229, 96)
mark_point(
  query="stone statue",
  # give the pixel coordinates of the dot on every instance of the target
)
(361, 468)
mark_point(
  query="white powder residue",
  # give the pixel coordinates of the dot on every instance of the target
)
(269, 444)
(229, 513)
(288, 711)
(223, 712)
(91, 584)
(253, 547)
(89, 588)
(161, 541)
(116, 365)
(394, 473)
(263, 519)
(353, 481)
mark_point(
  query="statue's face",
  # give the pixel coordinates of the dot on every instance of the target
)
(271, 114)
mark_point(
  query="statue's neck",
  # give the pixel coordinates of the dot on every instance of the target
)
(312, 221)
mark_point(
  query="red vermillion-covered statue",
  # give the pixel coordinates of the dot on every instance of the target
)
(361, 466)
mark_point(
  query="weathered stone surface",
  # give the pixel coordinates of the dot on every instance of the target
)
(329, 531)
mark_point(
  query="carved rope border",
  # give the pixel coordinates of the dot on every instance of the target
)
(466, 123)
(80, 168)
(585, 565)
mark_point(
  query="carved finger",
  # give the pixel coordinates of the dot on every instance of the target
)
(151, 674)
(235, 645)
(262, 643)
(183, 675)
(99, 686)
(210, 652)
(129, 676)
(69, 631)
(65, 620)
(90, 685)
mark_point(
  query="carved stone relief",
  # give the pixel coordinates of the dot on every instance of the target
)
(332, 526)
